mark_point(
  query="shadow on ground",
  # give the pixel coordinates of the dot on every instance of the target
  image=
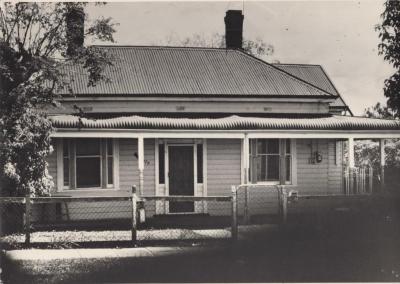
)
(360, 246)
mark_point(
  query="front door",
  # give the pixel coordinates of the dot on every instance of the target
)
(181, 177)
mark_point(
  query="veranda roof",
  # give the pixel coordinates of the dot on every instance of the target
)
(233, 122)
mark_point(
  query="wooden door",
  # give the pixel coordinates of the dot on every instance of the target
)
(181, 177)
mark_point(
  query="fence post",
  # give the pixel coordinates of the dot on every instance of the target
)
(351, 180)
(282, 209)
(234, 229)
(134, 215)
(370, 178)
(284, 205)
(246, 205)
(27, 219)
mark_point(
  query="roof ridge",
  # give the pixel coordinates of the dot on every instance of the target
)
(298, 64)
(163, 46)
(286, 73)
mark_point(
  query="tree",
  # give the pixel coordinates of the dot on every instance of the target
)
(36, 41)
(379, 111)
(389, 34)
(367, 152)
(256, 47)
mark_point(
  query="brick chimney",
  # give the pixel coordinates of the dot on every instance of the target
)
(234, 29)
(75, 20)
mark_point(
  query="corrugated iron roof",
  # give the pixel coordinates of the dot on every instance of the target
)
(142, 70)
(315, 75)
(228, 123)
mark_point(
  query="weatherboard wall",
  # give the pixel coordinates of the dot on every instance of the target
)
(223, 171)
(193, 105)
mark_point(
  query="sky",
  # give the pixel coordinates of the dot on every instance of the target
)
(339, 35)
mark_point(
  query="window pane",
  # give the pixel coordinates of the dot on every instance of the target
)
(266, 164)
(267, 146)
(66, 171)
(110, 176)
(288, 146)
(273, 168)
(262, 146)
(261, 163)
(87, 147)
(65, 148)
(109, 147)
(200, 163)
(66, 162)
(88, 172)
(273, 146)
(288, 167)
(161, 162)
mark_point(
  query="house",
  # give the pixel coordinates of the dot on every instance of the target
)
(195, 121)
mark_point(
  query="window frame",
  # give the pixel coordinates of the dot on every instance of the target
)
(104, 156)
(293, 162)
(161, 174)
(98, 156)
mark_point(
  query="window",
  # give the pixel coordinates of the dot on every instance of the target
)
(265, 160)
(88, 163)
(161, 163)
(199, 163)
(66, 162)
(110, 162)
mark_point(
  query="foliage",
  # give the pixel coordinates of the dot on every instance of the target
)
(256, 47)
(367, 152)
(35, 44)
(379, 111)
(389, 33)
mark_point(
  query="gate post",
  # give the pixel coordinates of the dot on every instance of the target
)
(284, 205)
(246, 205)
(351, 181)
(27, 219)
(134, 216)
(234, 228)
(282, 200)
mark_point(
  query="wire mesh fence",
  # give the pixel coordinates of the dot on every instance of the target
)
(112, 219)
(82, 213)
(258, 204)
(12, 216)
(72, 220)
(186, 218)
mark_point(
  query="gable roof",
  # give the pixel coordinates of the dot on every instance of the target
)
(149, 70)
(317, 76)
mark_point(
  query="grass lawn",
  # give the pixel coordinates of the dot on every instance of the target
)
(345, 246)
(69, 238)
(352, 252)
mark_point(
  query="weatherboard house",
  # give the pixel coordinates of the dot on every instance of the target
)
(195, 121)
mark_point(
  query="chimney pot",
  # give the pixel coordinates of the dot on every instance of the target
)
(234, 29)
(75, 20)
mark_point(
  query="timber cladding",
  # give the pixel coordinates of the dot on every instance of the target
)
(224, 170)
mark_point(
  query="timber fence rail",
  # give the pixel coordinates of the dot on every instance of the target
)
(127, 218)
